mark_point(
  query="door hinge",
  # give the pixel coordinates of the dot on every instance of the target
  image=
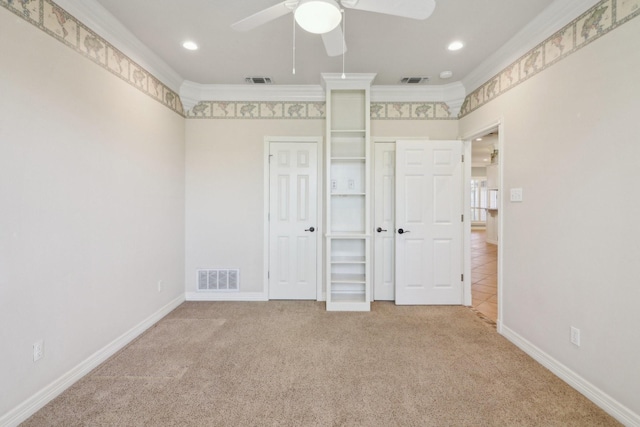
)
(463, 158)
(462, 217)
(268, 275)
(462, 277)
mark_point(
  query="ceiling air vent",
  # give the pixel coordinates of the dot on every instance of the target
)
(414, 80)
(258, 80)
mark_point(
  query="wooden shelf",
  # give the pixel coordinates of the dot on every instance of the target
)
(348, 278)
(348, 260)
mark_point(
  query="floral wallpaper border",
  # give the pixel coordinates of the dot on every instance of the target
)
(57, 22)
(257, 110)
(410, 111)
(315, 110)
(591, 25)
(605, 16)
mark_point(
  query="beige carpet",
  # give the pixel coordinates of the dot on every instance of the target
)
(285, 363)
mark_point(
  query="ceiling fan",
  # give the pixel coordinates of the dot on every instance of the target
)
(323, 16)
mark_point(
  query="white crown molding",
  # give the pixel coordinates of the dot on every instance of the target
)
(552, 19)
(191, 93)
(349, 80)
(418, 93)
(452, 94)
(95, 16)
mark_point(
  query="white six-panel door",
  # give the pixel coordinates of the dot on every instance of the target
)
(293, 228)
(428, 238)
(383, 222)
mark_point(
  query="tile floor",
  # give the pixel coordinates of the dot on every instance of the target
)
(484, 275)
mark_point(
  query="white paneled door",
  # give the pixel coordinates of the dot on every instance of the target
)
(428, 237)
(383, 222)
(293, 228)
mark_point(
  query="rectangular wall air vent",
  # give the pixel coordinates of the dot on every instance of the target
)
(258, 80)
(219, 280)
(414, 80)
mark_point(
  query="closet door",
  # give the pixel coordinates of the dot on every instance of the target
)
(384, 221)
(293, 170)
(428, 237)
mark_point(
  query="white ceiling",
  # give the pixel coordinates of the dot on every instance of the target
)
(390, 46)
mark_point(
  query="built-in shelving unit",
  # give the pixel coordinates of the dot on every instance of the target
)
(347, 192)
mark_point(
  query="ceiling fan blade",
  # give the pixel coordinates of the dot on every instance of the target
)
(415, 9)
(262, 17)
(334, 42)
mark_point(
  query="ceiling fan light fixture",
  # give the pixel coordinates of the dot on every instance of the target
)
(318, 16)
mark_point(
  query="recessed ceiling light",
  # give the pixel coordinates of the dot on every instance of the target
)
(485, 160)
(189, 45)
(446, 74)
(457, 45)
(478, 139)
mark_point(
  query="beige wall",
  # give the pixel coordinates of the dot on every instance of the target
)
(225, 196)
(571, 248)
(431, 129)
(225, 187)
(92, 208)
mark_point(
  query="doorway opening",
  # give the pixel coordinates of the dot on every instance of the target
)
(485, 196)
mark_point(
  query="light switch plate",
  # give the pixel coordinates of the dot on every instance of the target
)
(516, 195)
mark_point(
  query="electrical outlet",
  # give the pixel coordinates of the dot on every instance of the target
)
(38, 350)
(160, 286)
(575, 336)
(334, 184)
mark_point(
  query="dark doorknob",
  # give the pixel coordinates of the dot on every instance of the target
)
(311, 229)
(401, 231)
(380, 230)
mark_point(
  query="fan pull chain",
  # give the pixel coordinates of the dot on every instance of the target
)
(344, 28)
(294, 43)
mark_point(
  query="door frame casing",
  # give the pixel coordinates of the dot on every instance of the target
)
(468, 138)
(318, 140)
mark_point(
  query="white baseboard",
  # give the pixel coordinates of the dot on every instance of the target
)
(227, 296)
(29, 407)
(597, 396)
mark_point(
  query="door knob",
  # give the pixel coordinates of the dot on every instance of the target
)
(380, 230)
(401, 231)
(311, 229)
